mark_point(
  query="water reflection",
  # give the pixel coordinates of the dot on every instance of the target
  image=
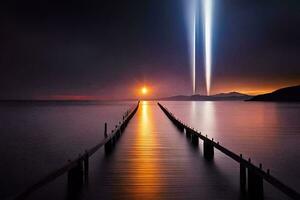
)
(153, 161)
(144, 120)
(146, 167)
(204, 116)
(266, 132)
(208, 119)
(255, 123)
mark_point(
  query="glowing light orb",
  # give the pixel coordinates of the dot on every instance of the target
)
(207, 11)
(144, 90)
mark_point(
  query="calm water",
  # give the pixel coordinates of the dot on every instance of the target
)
(152, 160)
(39, 137)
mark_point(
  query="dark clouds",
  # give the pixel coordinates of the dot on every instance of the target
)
(105, 48)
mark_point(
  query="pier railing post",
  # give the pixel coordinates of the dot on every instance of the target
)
(195, 140)
(180, 127)
(187, 133)
(108, 146)
(120, 132)
(76, 176)
(208, 149)
(105, 130)
(86, 166)
(243, 178)
(255, 185)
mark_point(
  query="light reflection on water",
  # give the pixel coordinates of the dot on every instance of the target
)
(153, 160)
(226, 121)
(146, 173)
(267, 132)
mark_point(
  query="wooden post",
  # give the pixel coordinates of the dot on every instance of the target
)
(86, 166)
(105, 130)
(243, 178)
(180, 127)
(108, 146)
(113, 138)
(76, 176)
(187, 133)
(195, 140)
(255, 185)
(208, 149)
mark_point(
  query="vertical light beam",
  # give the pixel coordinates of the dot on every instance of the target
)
(194, 54)
(207, 10)
(191, 16)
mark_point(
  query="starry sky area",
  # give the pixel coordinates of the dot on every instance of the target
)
(91, 49)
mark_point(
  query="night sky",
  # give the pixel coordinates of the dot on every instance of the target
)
(65, 49)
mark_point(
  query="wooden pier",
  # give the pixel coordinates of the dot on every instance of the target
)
(250, 175)
(77, 169)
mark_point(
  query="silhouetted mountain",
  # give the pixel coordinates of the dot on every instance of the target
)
(231, 96)
(288, 94)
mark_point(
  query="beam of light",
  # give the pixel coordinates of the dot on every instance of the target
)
(191, 16)
(207, 10)
(193, 56)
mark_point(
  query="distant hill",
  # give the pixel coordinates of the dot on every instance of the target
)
(231, 96)
(288, 94)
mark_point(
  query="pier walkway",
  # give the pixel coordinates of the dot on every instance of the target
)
(152, 160)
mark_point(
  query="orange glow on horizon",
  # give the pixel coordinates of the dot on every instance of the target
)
(248, 91)
(250, 88)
